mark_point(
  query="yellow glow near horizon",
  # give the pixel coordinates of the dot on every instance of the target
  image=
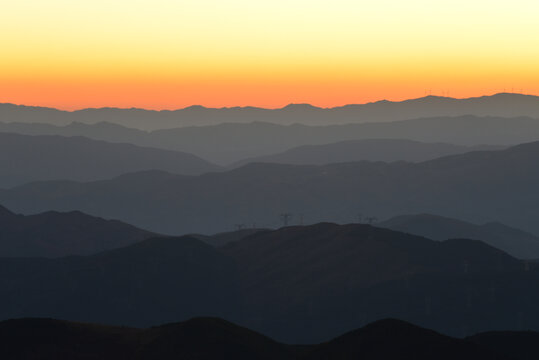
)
(170, 54)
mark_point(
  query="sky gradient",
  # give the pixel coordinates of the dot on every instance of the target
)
(165, 54)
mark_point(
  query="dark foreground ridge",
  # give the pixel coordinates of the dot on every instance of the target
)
(298, 284)
(213, 338)
(56, 234)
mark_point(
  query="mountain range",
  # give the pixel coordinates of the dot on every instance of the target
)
(213, 338)
(478, 187)
(54, 234)
(31, 158)
(502, 104)
(229, 143)
(387, 150)
(299, 284)
(513, 241)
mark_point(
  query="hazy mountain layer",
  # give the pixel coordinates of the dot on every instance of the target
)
(513, 241)
(479, 187)
(505, 105)
(387, 150)
(31, 158)
(232, 142)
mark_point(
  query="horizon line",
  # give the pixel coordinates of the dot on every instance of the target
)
(263, 108)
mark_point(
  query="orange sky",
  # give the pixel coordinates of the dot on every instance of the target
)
(165, 54)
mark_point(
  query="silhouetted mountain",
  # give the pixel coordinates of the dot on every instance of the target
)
(213, 338)
(54, 234)
(297, 275)
(199, 338)
(154, 281)
(387, 150)
(478, 187)
(513, 241)
(232, 142)
(31, 158)
(394, 339)
(297, 284)
(224, 238)
(511, 344)
(505, 105)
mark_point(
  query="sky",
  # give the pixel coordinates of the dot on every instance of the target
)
(169, 54)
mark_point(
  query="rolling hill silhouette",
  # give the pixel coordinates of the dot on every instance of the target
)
(387, 150)
(151, 282)
(296, 284)
(228, 143)
(30, 158)
(213, 338)
(54, 234)
(518, 243)
(503, 104)
(478, 187)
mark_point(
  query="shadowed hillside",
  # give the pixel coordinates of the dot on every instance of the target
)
(387, 150)
(513, 241)
(213, 338)
(296, 284)
(54, 234)
(472, 187)
(31, 158)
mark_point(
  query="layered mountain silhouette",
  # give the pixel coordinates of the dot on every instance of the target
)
(503, 104)
(513, 241)
(213, 338)
(54, 234)
(300, 284)
(229, 143)
(30, 158)
(387, 150)
(151, 282)
(478, 187)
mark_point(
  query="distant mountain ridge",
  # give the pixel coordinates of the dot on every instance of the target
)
(518, 243)
(387, 150)
(472, 187)
(229, 143)
(502, 104)
(25, 158)
(54, 234)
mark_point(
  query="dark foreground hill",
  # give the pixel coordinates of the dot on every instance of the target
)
(54, 234)
(155, 281)
(515, 242)
(213, 338)
(479, 187)
(297, 284)
(31, 158)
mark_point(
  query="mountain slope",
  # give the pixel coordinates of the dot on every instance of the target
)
(212, 338)
(473, 187)
(227, 143)
(393, 339)
(54, 234)
(505, 105)
(513, 241)
(387, 150)
(154, 281)
(293, 273)
(31, 158)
